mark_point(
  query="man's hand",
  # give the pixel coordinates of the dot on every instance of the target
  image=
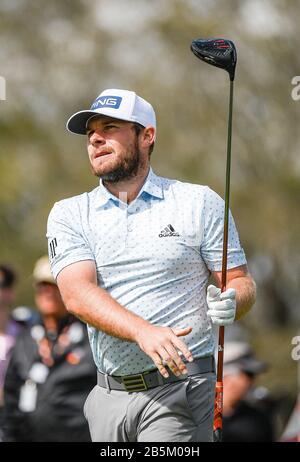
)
(94, 305)
(162, 345)
(221, 305)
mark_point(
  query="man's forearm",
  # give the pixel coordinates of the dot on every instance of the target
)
(245, 294)
(97, 308)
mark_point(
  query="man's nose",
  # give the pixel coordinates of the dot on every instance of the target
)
(97, 137)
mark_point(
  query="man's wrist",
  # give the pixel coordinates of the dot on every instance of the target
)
(138, 329)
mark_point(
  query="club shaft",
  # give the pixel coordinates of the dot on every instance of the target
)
(219, 388)
(227, 191)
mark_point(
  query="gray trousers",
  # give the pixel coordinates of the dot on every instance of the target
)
(175, 412)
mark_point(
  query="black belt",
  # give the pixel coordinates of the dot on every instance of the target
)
(151, 379)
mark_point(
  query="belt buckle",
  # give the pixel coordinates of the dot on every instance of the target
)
(134, 383)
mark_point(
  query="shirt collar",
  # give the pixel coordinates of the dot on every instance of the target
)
(152, 186)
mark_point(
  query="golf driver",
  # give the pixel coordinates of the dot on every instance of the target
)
(220, 53)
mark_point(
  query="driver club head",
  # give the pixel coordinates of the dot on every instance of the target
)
(217, 52)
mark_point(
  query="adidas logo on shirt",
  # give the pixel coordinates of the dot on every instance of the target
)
(168, 231)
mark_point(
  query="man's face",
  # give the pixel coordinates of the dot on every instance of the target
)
(113, 149)
(7, 296)
(237, 385)
(48, 300)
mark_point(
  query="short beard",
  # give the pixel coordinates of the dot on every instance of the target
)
(128, 167)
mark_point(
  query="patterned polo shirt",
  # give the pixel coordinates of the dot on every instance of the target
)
(154, 256)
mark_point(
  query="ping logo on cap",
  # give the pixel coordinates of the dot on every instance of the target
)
(107, 101)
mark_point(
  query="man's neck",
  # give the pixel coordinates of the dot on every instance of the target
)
(229, 405)
(128, 190)
(52, 323)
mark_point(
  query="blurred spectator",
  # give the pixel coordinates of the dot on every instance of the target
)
(24, 315)
(9, 328)
(50, 373)
(243, 421)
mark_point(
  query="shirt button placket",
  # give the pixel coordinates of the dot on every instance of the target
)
(130, 218)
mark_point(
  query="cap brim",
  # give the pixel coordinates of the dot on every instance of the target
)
(45, 280)
(252, 366)
(77, 122)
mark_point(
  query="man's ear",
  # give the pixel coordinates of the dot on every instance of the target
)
(148, 136)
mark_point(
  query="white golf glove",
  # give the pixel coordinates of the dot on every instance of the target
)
(221, 305)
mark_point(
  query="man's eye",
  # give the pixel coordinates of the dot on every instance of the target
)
(111, 126)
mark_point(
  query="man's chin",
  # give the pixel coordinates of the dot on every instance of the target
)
(117, 174)
(111, 177)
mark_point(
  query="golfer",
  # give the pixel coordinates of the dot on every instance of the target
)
(132, 259)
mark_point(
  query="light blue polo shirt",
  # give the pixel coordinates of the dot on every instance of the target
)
(153, 256)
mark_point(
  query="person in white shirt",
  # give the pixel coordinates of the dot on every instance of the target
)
(132, 259)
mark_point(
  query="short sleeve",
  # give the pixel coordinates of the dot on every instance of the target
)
(212, 241)
(66, 242)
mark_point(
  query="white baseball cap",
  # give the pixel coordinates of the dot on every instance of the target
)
(119, 104)
(239, 356)
(42, 271)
